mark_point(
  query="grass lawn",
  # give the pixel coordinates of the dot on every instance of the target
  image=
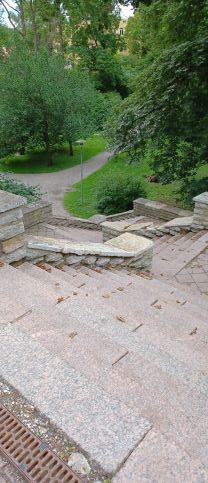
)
(37, 162)
(155, 191)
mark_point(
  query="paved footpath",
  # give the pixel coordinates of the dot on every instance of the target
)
(56, 184)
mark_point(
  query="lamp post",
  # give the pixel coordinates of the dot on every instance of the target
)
(81, 144)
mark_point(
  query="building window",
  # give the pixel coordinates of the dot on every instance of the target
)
(121, 31)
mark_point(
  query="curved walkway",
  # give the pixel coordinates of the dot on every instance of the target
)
(56, 184)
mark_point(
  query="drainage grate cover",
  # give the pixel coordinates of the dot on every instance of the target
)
(29, 454)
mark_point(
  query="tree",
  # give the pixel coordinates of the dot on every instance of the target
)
(41, 102)
(169, 105)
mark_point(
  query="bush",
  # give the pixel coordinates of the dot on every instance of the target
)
(31, 193)
(115, 195)
(191, 188)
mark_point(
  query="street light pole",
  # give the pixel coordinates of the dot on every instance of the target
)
(81, 163)
(81, 144)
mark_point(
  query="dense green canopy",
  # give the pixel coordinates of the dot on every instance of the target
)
(167, 114)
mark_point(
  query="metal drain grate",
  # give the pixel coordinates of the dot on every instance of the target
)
(29, 454)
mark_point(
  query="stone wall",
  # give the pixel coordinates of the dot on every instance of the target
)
(12, 242)
(36, 214)
(76, 222)
(125, 251)
(200, 218)
(160, 211)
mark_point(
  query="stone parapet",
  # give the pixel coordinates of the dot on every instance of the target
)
(125, 251)
(38, 213)
(12, 241)
(200, 218)
(154, 209)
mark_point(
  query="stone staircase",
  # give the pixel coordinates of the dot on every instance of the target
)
(174, 256)
(116, 360)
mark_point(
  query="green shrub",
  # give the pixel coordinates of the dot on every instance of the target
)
(191, 188)
(31, 193)
(116, 194)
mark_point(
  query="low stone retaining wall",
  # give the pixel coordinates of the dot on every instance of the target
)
(35, 214)
(12, 242)
(125, 251)
(200, 218)
(89, 224)
(83, 223)
(154, 209)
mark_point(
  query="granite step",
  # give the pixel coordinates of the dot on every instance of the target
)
(104, 427)
(171, 251)
(23, 290)
(66, 336)
(48, 279)
(131, 378)
(170, 268)
(179, 413)
(157, 459)
(158, 246)
(132, 299)
(102, 318)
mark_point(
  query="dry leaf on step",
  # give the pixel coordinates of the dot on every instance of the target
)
(194, 331)
(60, 299)
(43, 267)
(1, 263)
(157, 306)
(121, 318)
(72, 335)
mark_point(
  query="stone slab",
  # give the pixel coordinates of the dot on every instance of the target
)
(10, 230)
(157, 459)
(103, 426)
(12, 244)
(77, 248)
(10, 216)
(183, 221)
(131, 243)
(9, 201)
(202, 198)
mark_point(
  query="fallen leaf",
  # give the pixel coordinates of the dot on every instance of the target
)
(120, 289)
(43, 267)
(1, 263)
(194, 331)
(74, 293)
(60, 299)
(178, 301)
(157, 306)
(72, 335)
(147, 275)
(121, 318)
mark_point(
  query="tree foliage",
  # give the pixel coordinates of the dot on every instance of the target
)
(43, 103)
(169, 104)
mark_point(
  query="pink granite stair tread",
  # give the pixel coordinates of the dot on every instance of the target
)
(23, 289)
(159, 460)
(67, 336)
(60, 288)
(84, 411)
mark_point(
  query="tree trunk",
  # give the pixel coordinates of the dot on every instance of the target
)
(47, 143)
(34, 25)
(71, 152)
